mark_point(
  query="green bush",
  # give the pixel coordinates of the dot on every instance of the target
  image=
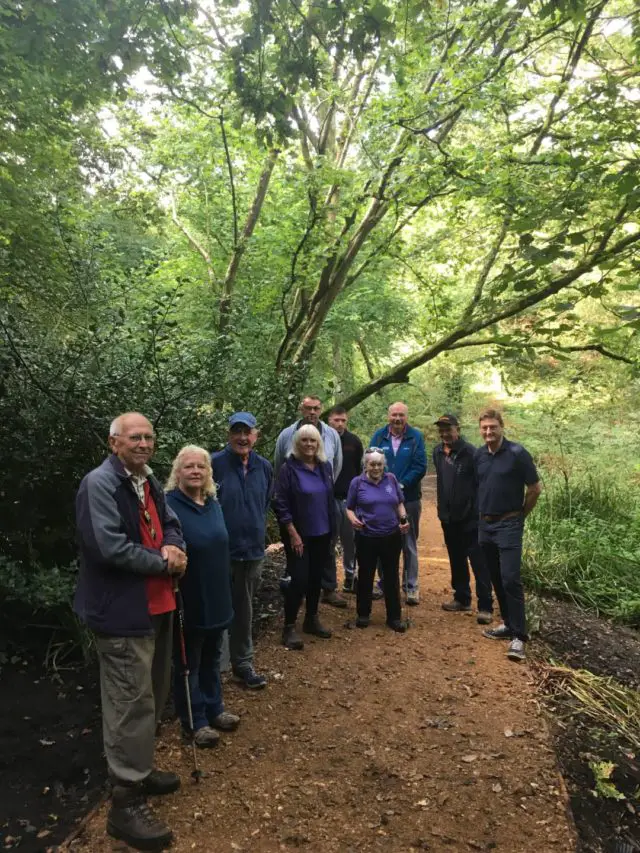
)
(583, 541)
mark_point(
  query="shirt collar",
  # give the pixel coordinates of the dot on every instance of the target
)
(299, 423)
(146, 473)
(402, 435)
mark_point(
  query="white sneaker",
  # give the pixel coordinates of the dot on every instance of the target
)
(516, 650)
(206, 737)
(413, 598)
(226, 722)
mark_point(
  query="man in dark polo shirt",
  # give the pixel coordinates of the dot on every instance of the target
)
(352, 451)
(457, 490)
(508, 489)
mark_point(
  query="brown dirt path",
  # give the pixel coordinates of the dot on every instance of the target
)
(374, 741)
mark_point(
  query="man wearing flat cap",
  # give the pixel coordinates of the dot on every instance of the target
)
(245, 485)
(457, 490)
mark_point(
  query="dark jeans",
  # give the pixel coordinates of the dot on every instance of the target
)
(306, 577)
(386, 550)
(463, 548)
(203, 660)
(501, 543)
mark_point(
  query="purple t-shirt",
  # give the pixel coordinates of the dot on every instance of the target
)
(314, 508)
(376, 504)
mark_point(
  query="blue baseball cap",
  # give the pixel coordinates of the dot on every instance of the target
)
(245, 418)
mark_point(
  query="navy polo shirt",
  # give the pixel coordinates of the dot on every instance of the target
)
(502, 477)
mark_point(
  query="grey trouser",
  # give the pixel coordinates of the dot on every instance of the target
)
(410, 547)
(135, 675)
(245, 577)
(344, 532)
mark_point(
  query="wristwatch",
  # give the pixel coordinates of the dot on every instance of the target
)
(403, 519)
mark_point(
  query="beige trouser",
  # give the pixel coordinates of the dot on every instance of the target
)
(134, 685)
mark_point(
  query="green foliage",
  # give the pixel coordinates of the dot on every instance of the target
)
(583, 541)
(204, 209)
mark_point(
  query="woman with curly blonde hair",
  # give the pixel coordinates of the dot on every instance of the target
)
(206, 592)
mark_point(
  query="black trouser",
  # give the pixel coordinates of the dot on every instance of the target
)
(370, 550)
(306, 577)
(501, 543)
(329, 580)
(463, 548)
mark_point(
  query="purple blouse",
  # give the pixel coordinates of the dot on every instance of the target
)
(376, 504)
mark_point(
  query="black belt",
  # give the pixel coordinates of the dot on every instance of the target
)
(493, 518)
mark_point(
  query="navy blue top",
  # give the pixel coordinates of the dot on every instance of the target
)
(502, 477)
(305, 497)
(111, 596)
(409, 464)
(206, 585)
(376, 504)
(457, 486)
(352, 451)
(244, 495)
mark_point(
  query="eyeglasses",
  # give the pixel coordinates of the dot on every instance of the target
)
(137, 437)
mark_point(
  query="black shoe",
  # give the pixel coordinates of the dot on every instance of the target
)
(312, 625)
(363, 622)
(291, 639)
(250, 679)
(131, 820)
(499, 633)
(160, 782)
(398, 626)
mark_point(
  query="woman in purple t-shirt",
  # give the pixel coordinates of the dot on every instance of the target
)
(376, 510)
(303, 503)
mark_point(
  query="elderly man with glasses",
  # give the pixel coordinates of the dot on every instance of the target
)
(131, 549)
(244, 481)
(403, 447)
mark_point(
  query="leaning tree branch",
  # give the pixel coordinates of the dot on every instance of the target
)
(400, 372)
(232, 185)
(195, 244)
(240, 247)
(496, 342)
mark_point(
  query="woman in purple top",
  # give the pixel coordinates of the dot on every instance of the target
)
(303, 503)
(376, 510)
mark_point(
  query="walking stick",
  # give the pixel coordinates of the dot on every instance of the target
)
(196, 773)
(351, 623)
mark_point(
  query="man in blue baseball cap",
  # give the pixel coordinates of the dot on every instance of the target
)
(245, 484)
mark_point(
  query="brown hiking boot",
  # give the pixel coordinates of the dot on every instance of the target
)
(131, 820)
(312, 625)
(291, 639)
(330, 596)
(160, 782)
(456, 607)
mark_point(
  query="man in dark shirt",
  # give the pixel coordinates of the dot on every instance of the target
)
(457, 491)
(508, 489)
(352, 451)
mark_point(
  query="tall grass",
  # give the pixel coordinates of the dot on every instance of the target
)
(583, 542)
